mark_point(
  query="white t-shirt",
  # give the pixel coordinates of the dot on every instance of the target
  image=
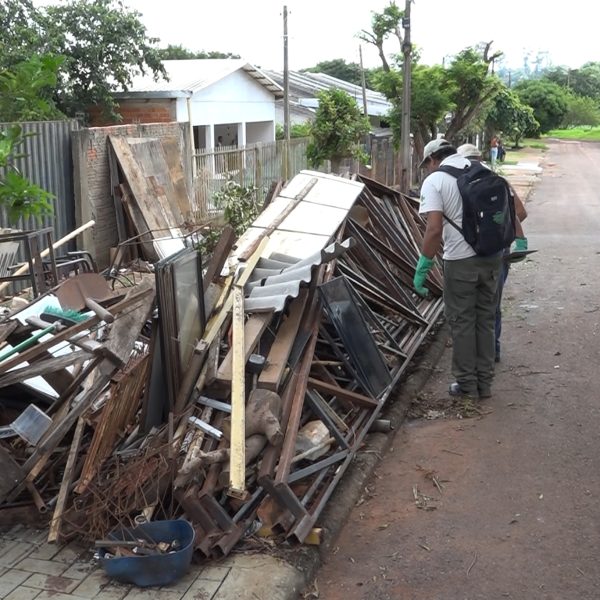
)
(440, 192)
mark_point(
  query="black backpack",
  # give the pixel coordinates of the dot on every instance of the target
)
(488, 223)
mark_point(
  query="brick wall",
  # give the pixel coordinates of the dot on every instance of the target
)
(93, 198)
(137, 111)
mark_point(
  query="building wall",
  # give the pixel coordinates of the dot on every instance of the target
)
(137, 111)
(93, 197)
(237, 98)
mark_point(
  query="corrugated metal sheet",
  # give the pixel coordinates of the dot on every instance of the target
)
(48, 163)
(305, 86)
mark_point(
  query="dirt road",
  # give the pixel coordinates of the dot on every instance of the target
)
(506, 503)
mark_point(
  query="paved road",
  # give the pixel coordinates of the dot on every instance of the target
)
(517, 511)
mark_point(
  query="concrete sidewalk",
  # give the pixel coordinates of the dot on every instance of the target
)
(30, 568)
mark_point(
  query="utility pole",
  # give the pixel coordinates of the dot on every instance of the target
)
(406, 172)
(362, 80)
(286, 96)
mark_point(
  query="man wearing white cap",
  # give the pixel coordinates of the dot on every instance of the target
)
(470, 281)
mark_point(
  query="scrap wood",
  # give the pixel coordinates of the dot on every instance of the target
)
(277, 359)
(237, 447)
(119, 410)
(43, 367)
(29, 355)
(55, 524)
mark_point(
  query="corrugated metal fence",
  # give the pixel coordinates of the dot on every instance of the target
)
(48, 163)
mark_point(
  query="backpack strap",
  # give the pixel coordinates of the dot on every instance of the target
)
(454, 172)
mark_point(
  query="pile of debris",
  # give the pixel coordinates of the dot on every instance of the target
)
(233, 393)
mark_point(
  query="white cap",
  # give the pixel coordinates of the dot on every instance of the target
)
(469, 151)
(431, 147)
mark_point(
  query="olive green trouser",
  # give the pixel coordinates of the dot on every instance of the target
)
(470, 286)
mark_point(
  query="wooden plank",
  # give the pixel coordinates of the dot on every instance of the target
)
(272, 374)
(253, 329)
(342, 394)
(42, 367)
(67, 479)
(237, 443)
(219, 255)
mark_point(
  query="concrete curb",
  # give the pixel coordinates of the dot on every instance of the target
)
(348, 492)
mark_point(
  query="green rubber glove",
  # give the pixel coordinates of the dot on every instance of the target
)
(520, 244)
(423, 267)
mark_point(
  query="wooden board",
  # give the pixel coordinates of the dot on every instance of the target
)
(272, 374)
(253, 330)
(153, 205)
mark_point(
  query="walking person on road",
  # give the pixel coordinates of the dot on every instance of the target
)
(470, 281)
(471, 152)
(493, 151)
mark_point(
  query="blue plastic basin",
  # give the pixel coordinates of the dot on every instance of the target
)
(159, 569)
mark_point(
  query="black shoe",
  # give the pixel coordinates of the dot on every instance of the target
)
(497, 358)
(454, 389)
(485, 393)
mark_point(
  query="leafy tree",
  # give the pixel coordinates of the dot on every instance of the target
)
(17, 195)
(178, 52)
(104, 45)
(509, 115)
(547, 99)
(21, 32)
(338, 128)
(581, 110)
(470, 86)
(26, 90)
(297, 130)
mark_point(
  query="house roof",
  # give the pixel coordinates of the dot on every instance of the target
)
(305, 86)
(186, 77)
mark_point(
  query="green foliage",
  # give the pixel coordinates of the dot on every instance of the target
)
(584, 81)
(581, 110)
(239, 204)
(510, 116)
(17, 195)
(297, 130)
(26, 90)
(104, 45)
(547, 99)
(338, 128)
(178, 52)
(470, 87)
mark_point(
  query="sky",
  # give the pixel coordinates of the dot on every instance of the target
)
(326, 29)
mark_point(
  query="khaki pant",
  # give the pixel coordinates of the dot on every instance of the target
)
(470, 286)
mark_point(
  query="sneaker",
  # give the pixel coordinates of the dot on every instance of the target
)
(454, 389)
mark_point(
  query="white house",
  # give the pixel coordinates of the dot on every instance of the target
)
(228, 102)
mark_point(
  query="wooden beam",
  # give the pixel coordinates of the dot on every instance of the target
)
(237, 443)
(67, 479)
(42, 367)
(253, 329)
(277, 359)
